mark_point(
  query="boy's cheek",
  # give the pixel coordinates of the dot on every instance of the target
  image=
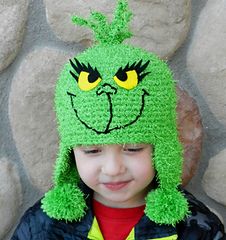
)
(87, 173)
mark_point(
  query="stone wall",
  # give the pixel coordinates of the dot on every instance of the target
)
(36, 38)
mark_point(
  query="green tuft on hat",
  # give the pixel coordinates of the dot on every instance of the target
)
(114, 93)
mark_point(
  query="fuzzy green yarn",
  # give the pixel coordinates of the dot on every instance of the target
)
(108, 33)
(152, 102)
(65, 169)
(64, 202)
(110, 113)
(166, 206)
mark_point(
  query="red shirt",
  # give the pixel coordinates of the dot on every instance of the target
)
(116, 223)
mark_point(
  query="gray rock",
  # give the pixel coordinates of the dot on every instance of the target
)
(214, 180)
(10, 196)
(206, 57)
(13, 16)
(158, 26)
(31, 113)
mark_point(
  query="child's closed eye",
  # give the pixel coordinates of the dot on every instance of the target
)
(91, 150)
(133, 148)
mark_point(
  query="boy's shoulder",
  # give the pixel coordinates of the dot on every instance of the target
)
(201, 222)
(34, 216)
(36, 223)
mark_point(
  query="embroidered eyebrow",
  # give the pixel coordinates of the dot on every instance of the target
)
(79, 67)
(138, 67)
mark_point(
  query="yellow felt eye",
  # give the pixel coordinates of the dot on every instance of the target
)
(87, 81)
(127, 80)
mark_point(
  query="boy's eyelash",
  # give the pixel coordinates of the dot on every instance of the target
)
(91, 151)
(126, 149)
(133, 149)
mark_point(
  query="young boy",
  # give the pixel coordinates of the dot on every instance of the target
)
(119, 165)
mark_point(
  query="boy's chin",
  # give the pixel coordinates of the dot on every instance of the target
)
(119, 200)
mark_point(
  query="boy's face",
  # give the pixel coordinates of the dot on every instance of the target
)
(119, 175)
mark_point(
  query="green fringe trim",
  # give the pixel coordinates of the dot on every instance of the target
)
(64, 202)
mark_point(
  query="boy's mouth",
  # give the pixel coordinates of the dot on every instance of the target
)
(115, 186)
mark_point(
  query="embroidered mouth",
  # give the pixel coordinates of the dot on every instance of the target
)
(108, 128)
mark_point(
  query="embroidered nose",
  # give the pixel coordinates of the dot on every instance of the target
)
(106, 88)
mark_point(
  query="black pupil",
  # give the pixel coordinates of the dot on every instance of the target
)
(121, 75)
(93, 76)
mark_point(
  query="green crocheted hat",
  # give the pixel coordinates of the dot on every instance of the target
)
(115, 93)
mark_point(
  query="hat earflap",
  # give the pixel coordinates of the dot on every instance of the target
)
(166, 204)
(65, 201)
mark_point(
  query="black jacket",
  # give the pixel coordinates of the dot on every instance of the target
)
(202, 224)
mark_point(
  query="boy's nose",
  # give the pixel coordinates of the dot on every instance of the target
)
(113, 165)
